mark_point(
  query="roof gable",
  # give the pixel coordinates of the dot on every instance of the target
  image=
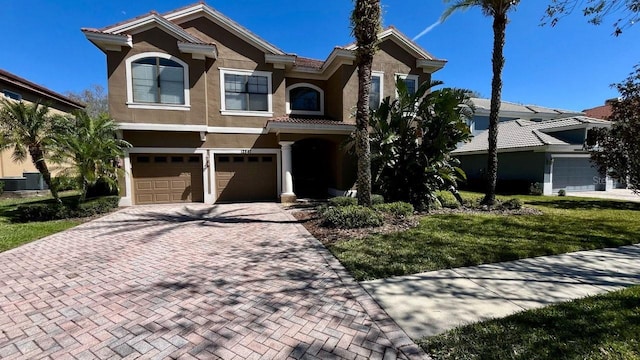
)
(199, 10)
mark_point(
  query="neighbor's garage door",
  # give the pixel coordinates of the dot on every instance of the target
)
(246, 177)
(167, 178)
(574, 174)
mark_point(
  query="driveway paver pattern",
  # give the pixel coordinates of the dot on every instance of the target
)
(237, 281)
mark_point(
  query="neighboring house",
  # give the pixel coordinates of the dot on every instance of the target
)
(550, 152)
(601, 112)
(215, 113)
(513, 111)
(16, 88)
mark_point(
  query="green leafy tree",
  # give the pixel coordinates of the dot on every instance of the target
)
(365, 23)
(498, 10)
(91, 145)
(616, 151)
(28, 129)
(411, 141)
(627, 12)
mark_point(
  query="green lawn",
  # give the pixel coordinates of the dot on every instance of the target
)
(15, 234)
(601, 327)
(449, 241)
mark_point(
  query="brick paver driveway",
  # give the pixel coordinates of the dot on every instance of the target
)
(229, 281)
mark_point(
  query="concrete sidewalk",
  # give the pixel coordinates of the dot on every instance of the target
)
(430, 303)
(613, 194)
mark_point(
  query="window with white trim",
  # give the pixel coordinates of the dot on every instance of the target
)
(375, 95)
(245, 92)
(305, 99)
(157, 80)
(410, 81)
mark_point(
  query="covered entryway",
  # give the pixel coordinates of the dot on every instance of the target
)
(574, 174)
(311, 167)
(167, 178)
(246, 177)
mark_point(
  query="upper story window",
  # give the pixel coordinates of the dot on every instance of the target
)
(305, 99)
(410, 81)
(157, 81)
(375, 95)
(245, 92)
(11, 95)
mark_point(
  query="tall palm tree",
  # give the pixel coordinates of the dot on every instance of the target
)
(498, 9)
(28, 128)
(365, 23)
(91, 145)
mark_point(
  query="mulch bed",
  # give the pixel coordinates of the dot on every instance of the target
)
(310, 219)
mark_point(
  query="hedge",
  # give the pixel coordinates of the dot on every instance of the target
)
(55, 211)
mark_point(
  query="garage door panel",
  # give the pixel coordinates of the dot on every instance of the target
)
(574, 174)
(167, 182)
(246, 178)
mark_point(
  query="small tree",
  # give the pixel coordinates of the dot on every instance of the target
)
(28, 128)
(91, 145)
(412, 138)
(617, 150)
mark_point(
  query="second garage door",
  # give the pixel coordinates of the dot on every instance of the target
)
(574, 174)
(167, 178)
(246, 177)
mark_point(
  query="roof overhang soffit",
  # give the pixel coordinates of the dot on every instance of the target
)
(280, 61)
(337, 58)
(199, 51)
(108, 42)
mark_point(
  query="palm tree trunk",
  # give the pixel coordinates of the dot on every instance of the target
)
(499, 30)
(363, 149)
(37, 157)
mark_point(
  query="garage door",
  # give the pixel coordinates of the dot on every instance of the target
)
(167, 178)
(574, 174)
(246, 177)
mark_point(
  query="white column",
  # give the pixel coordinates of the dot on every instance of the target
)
(287, 178)
(127, 199)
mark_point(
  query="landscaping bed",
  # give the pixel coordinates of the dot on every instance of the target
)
(451, 238)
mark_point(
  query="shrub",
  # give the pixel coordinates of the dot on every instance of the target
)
(471, 200)
(398, 209)
(54, 211)
(102, 187)
(535, 188)
(377, 199)
(343, 201)
(512, 204)
(351, 217)
(447, 200)
(65, 183)
(562, 192)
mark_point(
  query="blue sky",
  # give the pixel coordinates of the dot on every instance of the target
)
(570, 66)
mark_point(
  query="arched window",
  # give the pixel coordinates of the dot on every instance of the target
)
(306, 99)
(156, 79)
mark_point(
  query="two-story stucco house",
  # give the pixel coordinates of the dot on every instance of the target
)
(215, 113)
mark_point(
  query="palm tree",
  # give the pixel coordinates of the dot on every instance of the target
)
(91, 145)
(365, 23)
(28, 128)
(497, 9)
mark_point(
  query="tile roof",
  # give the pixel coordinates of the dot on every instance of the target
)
(533, 110)
(522, 133)
(600, 112)
(27, 85)
(308, 63)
